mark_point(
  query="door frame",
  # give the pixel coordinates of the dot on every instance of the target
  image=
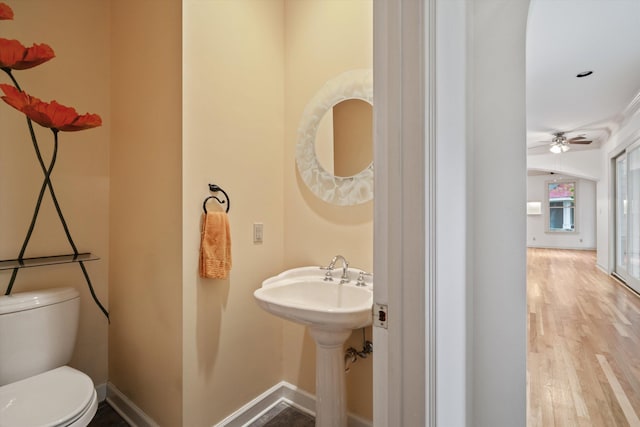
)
(447, 74)
(403, 205)
(631, 143)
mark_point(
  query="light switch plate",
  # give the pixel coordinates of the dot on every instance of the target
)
(258, 232)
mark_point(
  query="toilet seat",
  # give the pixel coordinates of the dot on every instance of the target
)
(61, 397)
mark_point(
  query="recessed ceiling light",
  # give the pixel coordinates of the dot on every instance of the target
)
(584, 74)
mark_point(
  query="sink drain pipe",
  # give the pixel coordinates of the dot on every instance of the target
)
(351, 355)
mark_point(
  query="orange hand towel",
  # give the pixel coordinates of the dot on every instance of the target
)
(215, 246)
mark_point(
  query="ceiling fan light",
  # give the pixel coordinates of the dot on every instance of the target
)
(555, 149)
(565, 147)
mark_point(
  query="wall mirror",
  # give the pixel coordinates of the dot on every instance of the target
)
(334, 152)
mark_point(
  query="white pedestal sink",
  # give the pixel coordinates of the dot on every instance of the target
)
(331, 311)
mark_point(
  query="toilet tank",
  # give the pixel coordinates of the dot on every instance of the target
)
(37, 331)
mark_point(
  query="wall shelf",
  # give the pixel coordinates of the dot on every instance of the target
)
(11, 264)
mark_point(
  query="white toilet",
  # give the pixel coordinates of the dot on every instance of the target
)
(37, 336)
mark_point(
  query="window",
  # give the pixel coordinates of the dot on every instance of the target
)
(562, 206)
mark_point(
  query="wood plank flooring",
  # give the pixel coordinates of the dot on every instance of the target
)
(583, 363)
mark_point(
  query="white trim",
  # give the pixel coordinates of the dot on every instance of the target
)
(451, 378)
(631, 144)
(604, 270)
(101, 391)
(625, 144)
(402, 211)
(619, 149)
(623, 148)
(631, 110)
(298, 398)
(383, 78)
(429, 171)
(568, 248)
(128, 410)
(281, 392)
(255, 408)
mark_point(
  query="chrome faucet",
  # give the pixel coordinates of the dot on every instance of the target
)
(345, 268)
(361, 281)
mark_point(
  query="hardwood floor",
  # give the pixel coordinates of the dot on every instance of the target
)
(583, 363)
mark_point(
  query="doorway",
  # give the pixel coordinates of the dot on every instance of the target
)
(627, 216)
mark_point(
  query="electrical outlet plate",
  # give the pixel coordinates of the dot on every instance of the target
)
(380, 315)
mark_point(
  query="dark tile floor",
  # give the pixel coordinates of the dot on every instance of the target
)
(284, 415)
(281, 415)
(107, 417)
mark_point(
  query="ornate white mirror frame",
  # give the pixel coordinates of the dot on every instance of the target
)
(337, 190)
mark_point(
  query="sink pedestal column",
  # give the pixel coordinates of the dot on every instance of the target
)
(331, 404)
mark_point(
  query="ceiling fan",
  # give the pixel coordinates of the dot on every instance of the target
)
(561, 144)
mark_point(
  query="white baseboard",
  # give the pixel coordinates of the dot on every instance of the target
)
(253, 409)
(101, 391)
(567, 248)
(128, 410)
(604, 270)
(281, 392)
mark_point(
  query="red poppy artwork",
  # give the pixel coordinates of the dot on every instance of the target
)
(49, 114)
(5, 12)
(15, 56)
(52, 115)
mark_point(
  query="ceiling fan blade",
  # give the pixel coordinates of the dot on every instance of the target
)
(575, 138)
(586, 141)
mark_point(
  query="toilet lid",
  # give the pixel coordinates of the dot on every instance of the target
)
(49, 399)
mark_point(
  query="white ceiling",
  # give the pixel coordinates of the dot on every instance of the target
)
(566, 37)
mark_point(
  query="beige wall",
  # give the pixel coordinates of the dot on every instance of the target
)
(323, 39)
(145, 337)
(78, 77)
(233, 133)
(249, 69)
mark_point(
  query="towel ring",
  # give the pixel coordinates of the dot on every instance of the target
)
(214, 188)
